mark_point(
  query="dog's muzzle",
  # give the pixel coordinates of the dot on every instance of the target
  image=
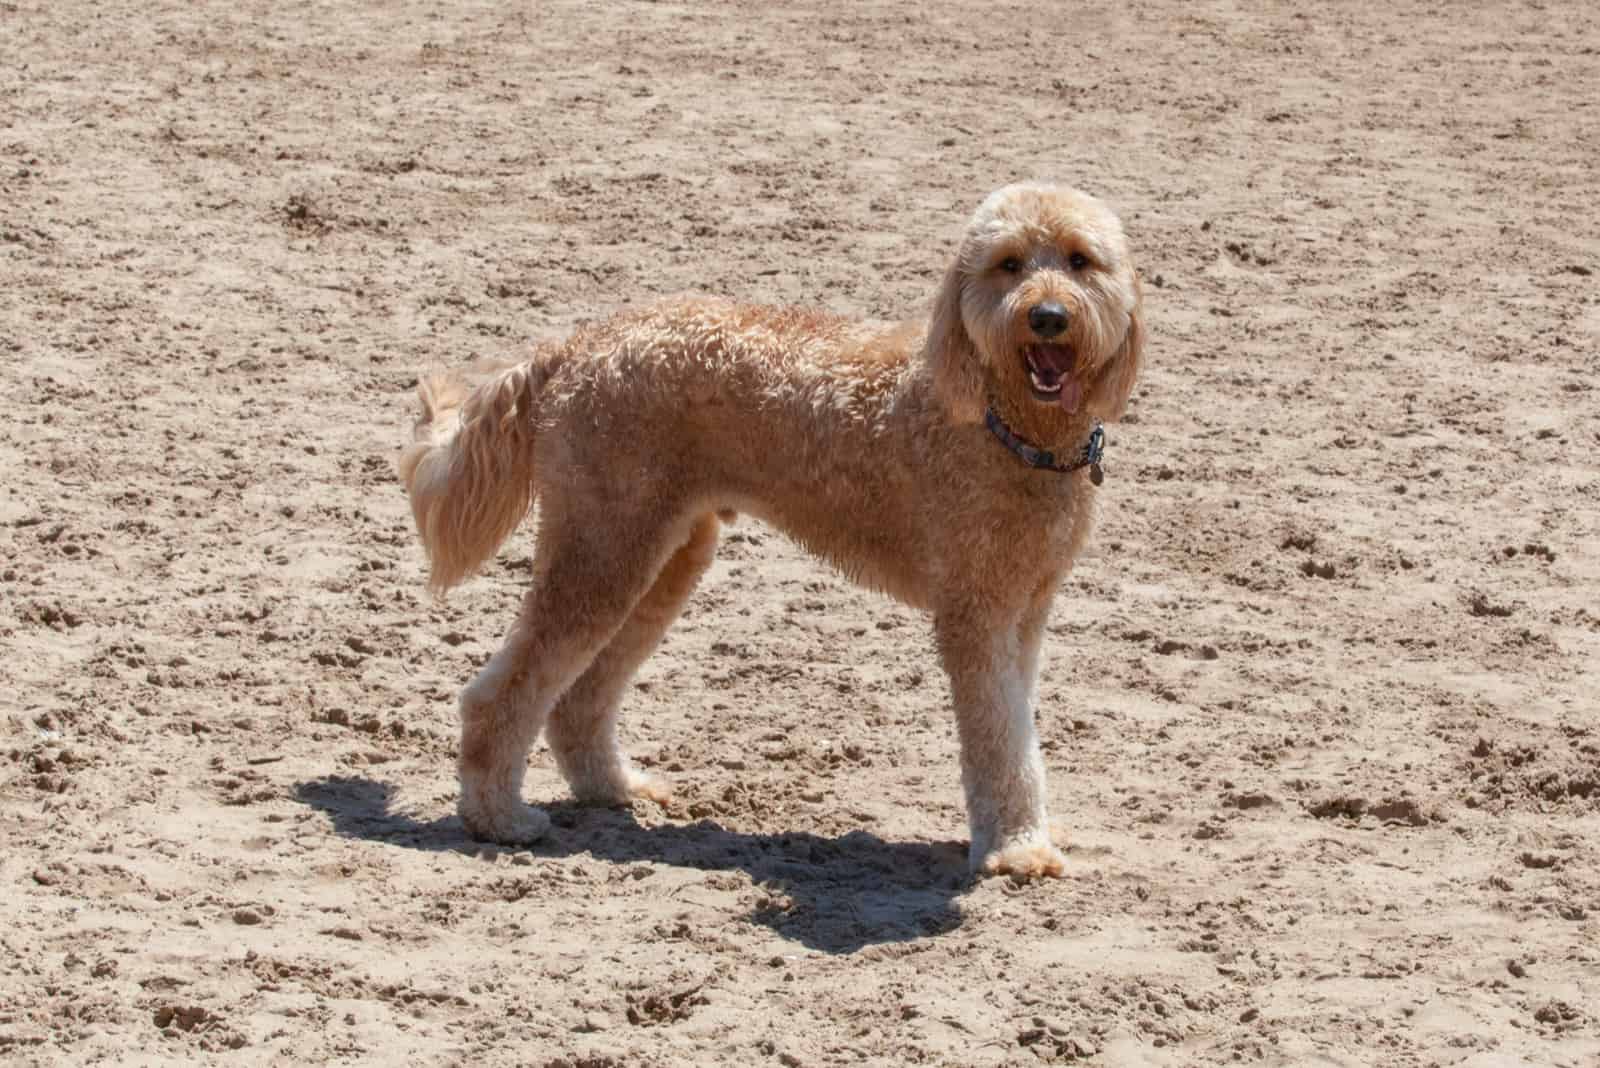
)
(1050, 368)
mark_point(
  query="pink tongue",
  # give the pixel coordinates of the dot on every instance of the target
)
(1071, 394)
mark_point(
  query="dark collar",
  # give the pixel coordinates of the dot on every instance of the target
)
(1089, 456)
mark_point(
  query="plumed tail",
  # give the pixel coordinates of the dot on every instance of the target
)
(469, 470)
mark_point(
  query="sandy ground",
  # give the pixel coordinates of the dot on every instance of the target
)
(1319, 704)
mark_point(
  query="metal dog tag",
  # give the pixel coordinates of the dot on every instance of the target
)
(1097, 474)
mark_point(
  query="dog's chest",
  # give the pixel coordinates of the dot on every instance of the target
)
(1059, 522)
(1037, 523)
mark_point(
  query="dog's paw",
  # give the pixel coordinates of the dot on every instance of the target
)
(649, 787)
(1024, 860)
(516, 825)
(620, 790)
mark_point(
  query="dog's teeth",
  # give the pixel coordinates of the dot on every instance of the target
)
(1039, 384)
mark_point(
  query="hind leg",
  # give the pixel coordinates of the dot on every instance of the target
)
(583, 724)
(590, 574)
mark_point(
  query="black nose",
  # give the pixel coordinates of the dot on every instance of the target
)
(1047, 319)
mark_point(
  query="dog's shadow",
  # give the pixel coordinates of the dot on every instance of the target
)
(837, 895)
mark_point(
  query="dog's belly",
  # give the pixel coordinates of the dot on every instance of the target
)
(853, 537)
(839, 504)
(820, 456)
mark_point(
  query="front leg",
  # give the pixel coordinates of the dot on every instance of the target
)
(991, 659)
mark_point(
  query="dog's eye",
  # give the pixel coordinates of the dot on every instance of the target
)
(1011, 265)
(1078, 261)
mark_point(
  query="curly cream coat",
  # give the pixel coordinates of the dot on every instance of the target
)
(866, 445)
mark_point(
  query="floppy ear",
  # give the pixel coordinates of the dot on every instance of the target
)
(950, 354)
(1109, 394)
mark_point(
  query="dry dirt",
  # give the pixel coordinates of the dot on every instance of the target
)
(1319, 704)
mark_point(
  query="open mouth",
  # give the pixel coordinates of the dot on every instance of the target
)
(1050, 374)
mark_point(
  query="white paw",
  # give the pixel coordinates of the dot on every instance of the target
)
(513, 825)
(648, 787)
(621, 788)
(1030, 857)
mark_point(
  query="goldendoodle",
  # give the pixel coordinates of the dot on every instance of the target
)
(950, 464)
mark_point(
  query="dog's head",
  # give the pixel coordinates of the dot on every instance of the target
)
(1039, 311)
